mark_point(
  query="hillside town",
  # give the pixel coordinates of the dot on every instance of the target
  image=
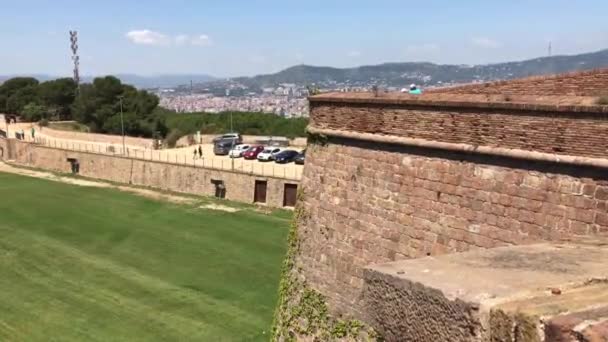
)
(282, 105)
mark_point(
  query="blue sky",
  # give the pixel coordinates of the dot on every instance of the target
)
(233, 38)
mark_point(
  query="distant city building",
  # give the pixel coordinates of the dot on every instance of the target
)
(282, 105)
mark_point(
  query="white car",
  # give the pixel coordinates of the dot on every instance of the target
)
(269, 153)
(238, 150)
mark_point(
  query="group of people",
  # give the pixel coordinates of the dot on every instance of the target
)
(198, 152)
(20, 135)
(414, 90)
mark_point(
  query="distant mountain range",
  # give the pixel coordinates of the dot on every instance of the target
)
(387, 74)
(402, 74)
(159, 81)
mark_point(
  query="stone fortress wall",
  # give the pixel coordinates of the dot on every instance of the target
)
(397, 177)
(382, 202)
(239, 187)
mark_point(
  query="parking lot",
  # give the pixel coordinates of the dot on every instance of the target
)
(184, 156)
(209, 159)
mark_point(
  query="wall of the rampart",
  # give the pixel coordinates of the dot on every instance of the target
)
(154, 174)
(368, 202)
(552, 130)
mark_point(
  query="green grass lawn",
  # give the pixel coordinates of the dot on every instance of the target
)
(90, 264)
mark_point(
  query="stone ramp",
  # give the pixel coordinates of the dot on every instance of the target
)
(541, 292)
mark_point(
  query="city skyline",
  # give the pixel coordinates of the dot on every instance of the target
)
(244, 39)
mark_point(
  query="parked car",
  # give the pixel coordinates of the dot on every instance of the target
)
(252, 153)
(285, 157)
(268, 153)
(223, 147)
(238, 150)
(300, 158)
(229, 136)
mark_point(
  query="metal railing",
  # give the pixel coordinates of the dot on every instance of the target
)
(177, 157)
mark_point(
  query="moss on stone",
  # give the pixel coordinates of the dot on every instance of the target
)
(518, 327)
(501, 326)
(302, 311)
(526, 328)
(317, 139)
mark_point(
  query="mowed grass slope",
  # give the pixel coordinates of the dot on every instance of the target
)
(90, 264)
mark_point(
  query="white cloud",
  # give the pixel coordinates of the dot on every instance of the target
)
(201, 40)
(181, 39)
(147, 37)
(354, 53)
(485, 42)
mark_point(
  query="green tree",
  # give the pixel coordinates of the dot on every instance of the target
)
(98, 106)
(34, 112)
(16, 93)
(58, 95)
(18, 100)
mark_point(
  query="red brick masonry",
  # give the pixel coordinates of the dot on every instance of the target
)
(567, 130)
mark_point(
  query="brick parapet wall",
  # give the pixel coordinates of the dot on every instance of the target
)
(587, 83)
(370, 203)
(562, 130)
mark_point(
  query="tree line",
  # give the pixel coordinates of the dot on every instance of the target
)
(98, 104)
(250, 123)
(95, 104)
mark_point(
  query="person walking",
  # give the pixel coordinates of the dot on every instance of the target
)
(200, 152)
(33, 132)
(414, 90)
(194, 155)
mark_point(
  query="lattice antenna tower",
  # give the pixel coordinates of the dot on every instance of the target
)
(75, 57)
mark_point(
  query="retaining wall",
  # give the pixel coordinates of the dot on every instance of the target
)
(154, 174)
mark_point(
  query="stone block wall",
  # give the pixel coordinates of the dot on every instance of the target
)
(587, 83)
(159, 175)
(387, 179)
(370, 203)
(550, 292)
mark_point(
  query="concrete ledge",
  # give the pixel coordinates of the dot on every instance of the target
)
(501, 294)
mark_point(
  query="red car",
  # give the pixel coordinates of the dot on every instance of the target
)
(252, 152)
